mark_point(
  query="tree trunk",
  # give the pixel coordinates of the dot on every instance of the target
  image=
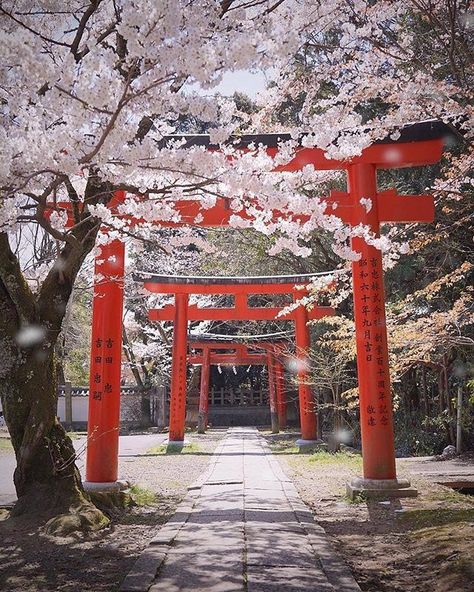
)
(440, 390)
(424, 391)
(46, 478)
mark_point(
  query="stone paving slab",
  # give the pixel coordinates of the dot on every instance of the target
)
(178, 576)
(280, 556)
(289, 579)
(217, 518)
(275, 529)
(209, 538)
(242, 528)
(144, 571)
(264, 516)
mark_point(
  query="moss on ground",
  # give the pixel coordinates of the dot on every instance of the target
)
(336, 458)
(432, 517)
(174, 449)
(77, 435)
(320, 457)
(142, 496)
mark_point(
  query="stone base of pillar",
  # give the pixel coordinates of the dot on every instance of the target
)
(113, 486)
(310, 445)
(379, 488)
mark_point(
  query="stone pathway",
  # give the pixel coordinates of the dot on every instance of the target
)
(241, 528)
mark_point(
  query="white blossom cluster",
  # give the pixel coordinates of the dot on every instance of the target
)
(76, 88)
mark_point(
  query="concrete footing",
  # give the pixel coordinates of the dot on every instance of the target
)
(380, 488)
(309, 445)
(176, 444)
(105, 487)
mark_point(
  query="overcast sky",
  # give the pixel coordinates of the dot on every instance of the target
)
(242, 81)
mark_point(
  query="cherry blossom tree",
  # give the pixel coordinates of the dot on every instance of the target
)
(90, 90)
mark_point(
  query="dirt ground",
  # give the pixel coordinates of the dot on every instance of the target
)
(423, 544)
(32, 562)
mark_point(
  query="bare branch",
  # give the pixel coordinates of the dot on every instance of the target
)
(82, 26)
(25, 26)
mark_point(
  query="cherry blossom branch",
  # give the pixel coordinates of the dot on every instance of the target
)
(25, 26)
(109, 127)
(93, 6)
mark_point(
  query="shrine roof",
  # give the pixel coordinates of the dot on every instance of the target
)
(230, 343)
(223, 280)
(411, 132)
(278, 336)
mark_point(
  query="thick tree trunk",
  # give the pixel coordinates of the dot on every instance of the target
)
(46, 478)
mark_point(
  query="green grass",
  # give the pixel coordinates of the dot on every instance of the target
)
(142, 496)
(335, 458)
(76, 435)
(283, 446)
(285, 449)
(174, 449)
(448, 495)
(358, 499)
(436, 517)
(321, 457)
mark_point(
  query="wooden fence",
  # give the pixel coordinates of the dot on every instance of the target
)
(136, 401)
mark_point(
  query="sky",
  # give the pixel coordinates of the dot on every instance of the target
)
(249, 83)
(242, 81)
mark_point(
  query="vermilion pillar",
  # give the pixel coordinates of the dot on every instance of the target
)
(272, 392)
(308, 419)
(204, 391)
(280, 394)
(178, 370)
(106, 354)
(371, 334)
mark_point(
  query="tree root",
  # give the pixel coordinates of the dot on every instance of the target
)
(84, 519)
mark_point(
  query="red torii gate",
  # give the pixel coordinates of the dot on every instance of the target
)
(243, 354)
(418, 144)
(241, 288)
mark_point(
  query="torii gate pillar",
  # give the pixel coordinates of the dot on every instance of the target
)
(308, 417)
(178, 369)
(280, 394)
(375, 401)
(272, 392)
(204, 392)
(106, 356)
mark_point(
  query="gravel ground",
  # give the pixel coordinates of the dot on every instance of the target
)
(31, 562)
(417, 545)
(171, 474)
